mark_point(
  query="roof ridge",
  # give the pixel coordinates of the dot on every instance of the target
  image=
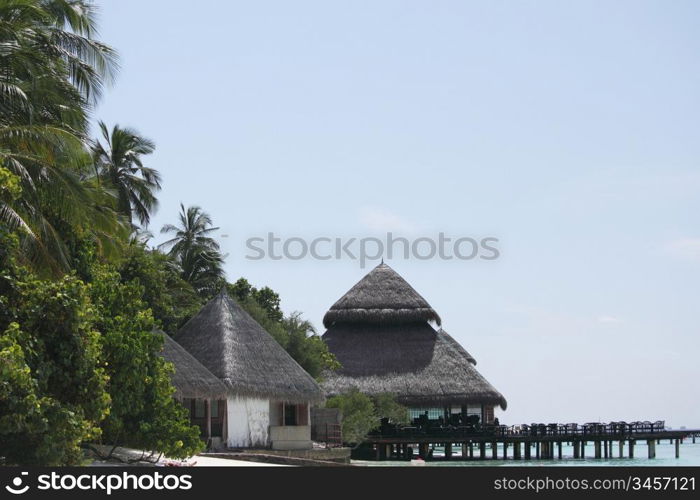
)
(381, 296)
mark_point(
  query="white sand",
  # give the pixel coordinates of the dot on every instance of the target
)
(129, 454)
(225, 462)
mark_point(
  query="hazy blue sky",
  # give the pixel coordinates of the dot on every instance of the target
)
(569, 130)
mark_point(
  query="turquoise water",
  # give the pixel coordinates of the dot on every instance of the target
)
(665, 456)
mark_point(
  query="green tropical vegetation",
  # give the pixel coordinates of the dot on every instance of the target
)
(362, 413)
(196, 253)
(81, 291)
(52, 72)
(296, 335)
(119, 165)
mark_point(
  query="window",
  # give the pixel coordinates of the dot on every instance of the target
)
(433, 413)
(290, 414)
(474, 410)
(488, 414)
(199, 411)
(215, 409)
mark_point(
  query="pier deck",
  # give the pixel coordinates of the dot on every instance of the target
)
(547, 441)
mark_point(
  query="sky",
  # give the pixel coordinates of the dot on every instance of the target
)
(566, 130)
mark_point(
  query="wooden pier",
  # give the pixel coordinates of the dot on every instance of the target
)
(539, 441)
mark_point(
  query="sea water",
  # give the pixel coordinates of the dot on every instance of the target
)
(665, 456)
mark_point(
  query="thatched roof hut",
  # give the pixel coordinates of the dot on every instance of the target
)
(191, 379)
(383, 297)
(379, 332)
(236, 349)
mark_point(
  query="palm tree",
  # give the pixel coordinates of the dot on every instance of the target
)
(203, 269)
(119, 163)
(53, 68)
(52, 71)
(194, 250)
(193, 231)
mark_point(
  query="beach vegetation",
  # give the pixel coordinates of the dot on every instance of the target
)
(195, 251)
(362, 414)
(358, 414)
(118, 162)
(81, 292)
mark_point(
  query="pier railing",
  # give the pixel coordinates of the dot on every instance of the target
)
(569, 430)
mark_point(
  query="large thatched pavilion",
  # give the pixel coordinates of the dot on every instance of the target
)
(199, 391)
(382, 333)
(269, 394)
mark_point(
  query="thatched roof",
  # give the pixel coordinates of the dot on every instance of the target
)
(457, 346)
(381, 297)
(191, 379)
(235, 348)
(420, 365)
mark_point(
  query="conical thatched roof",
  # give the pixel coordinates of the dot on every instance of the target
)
(457, 346)
(381, 297)
(191, 379)
(421, 366)
(235, 348)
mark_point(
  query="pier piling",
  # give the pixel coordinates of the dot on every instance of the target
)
(678, 448)
(651, 448)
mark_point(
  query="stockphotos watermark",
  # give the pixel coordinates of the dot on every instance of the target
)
(372, 248)
(100, 482)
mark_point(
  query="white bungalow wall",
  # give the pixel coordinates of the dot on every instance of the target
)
(248, 422)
